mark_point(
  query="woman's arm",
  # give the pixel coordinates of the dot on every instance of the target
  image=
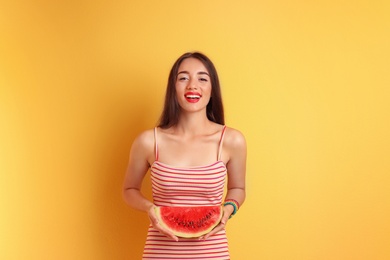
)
(235, 147)
(141, 155)
(236, 168)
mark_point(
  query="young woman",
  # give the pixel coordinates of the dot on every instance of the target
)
(189, 154)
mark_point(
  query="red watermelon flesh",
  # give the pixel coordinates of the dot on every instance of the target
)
(189, 221)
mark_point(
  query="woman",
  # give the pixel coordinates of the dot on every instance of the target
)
(189, 154)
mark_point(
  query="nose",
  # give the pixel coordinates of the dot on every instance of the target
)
(192, 84)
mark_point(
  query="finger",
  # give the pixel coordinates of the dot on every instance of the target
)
(156, 224)
(226, 215)
(153, 221)
(210, 234)
(218, 228)
(224, 219)
(166, 232)
(152, 216)
(171, 235)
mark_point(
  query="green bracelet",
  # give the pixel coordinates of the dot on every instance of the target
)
(234, 207)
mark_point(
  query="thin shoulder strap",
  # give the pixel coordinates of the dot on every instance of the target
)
(155, 143)
(221, 142)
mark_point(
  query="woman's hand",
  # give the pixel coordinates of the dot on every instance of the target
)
(227, 211)
(155, 223)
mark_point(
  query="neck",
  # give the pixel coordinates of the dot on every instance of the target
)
(193, 123)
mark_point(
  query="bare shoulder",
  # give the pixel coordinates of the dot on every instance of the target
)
(143, 146)
(234, 139)
(145, 138)
(235, 147)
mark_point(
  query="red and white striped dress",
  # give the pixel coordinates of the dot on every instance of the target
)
(187, 186)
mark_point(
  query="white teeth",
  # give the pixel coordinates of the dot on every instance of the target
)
(192, 96)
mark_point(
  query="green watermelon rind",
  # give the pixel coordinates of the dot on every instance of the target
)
(186, 212)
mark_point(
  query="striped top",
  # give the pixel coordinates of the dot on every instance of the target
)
(187, 186)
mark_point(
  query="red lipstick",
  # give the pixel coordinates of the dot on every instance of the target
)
(192, 97)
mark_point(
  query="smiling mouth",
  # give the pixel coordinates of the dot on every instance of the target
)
(192, 96)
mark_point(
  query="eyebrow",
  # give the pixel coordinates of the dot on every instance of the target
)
(199, 73)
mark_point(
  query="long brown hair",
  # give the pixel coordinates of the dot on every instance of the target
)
(214, 110)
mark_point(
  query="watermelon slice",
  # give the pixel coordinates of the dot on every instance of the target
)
(189, 222)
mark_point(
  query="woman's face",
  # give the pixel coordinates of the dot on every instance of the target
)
(193, 85)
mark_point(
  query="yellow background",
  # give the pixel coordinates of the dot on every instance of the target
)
(307, 82)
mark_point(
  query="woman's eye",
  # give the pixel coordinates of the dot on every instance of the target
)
(203, 79)
(183, 78)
